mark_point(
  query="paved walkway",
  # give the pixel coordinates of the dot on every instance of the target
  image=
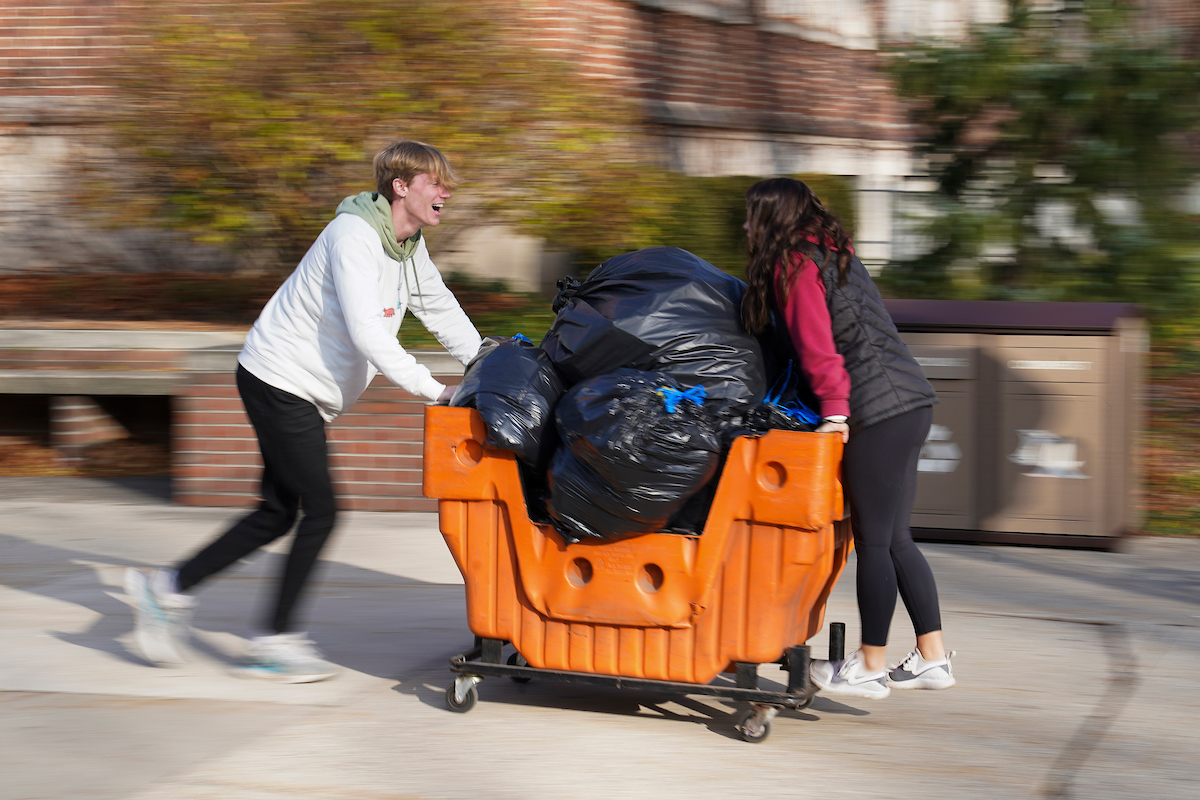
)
(1076, 678)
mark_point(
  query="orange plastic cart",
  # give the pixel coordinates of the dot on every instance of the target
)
(659, 611)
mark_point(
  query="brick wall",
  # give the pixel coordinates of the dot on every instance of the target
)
(57, 47)
(375, 449)
(749, 87)
(76, 422)
(770, 67)
(1180, 19)
(733, 67)
(776, 65)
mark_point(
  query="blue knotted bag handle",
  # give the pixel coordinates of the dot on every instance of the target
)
(792, 408)
(673, 397)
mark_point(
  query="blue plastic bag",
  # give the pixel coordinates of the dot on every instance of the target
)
(781, 409)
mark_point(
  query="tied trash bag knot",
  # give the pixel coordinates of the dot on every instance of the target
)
(568, 287)
(673, 397)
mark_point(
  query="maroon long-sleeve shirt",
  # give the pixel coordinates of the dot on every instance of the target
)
(806, 315)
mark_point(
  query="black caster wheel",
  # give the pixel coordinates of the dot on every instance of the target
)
(518, 660)
(466, 705)
(757, 732)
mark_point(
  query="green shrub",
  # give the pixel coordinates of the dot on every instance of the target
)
(705, 215)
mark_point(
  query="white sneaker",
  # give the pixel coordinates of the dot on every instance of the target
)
(287, 658)
(849, 678)
(162, 614)
(914, 672)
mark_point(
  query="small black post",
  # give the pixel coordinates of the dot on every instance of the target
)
(837, 641)
(747, 675)
(492, 649)
(798, 658)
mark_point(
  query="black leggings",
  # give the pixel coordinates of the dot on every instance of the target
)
(291, 436)
(879, 469)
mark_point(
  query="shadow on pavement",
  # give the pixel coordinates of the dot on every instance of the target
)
(1109, 570)
(123, 491)
(718, 715)
(371, 622)
(368, 621)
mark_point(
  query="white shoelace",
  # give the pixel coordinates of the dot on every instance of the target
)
(852, 665)
(912, 658)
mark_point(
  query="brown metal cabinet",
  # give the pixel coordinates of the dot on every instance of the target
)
(1042, 405)
(949, 463)
(1052, 465)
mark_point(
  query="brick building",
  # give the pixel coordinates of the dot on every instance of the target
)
(727, 87)
(749, 87)
(765, 87)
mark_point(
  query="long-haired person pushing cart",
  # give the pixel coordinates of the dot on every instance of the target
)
(802, 267)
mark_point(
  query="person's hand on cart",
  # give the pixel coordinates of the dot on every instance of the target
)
(835, 426)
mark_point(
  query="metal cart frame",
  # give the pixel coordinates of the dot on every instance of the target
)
(486, 659)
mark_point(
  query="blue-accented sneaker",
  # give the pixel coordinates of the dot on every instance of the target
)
(287, 658)
(914, 672)
(848, 678)
(162, 615)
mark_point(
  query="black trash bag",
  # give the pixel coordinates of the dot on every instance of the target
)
(690, 519)
(660, 309)
(626, 463)
(583, 343)
(533, 486)
(514, 386)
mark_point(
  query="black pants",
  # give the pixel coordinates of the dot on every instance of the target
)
(879, 468)
(291, 436)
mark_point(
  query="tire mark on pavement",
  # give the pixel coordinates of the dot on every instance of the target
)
(1121, 683)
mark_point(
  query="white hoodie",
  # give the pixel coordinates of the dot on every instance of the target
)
(332, 325)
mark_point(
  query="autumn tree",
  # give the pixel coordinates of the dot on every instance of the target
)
(243, 125)
(1059, 145)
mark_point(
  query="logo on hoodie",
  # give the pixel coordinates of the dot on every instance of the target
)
(389, 312)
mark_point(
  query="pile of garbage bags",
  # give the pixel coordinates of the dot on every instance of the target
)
(620, 419)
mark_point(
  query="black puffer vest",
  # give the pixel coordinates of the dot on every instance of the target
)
(885, 380)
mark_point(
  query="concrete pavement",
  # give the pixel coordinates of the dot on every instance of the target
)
(1075, 679)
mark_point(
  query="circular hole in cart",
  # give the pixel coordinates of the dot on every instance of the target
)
(650, 578)
(469, 452)
(772, 475)
(579, 572)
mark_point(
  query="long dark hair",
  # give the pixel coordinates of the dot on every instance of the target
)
(782, 216)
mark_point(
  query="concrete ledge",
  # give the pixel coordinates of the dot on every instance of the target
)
(439, 362)
(224, 359)
(89, 381)
(58, 339)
